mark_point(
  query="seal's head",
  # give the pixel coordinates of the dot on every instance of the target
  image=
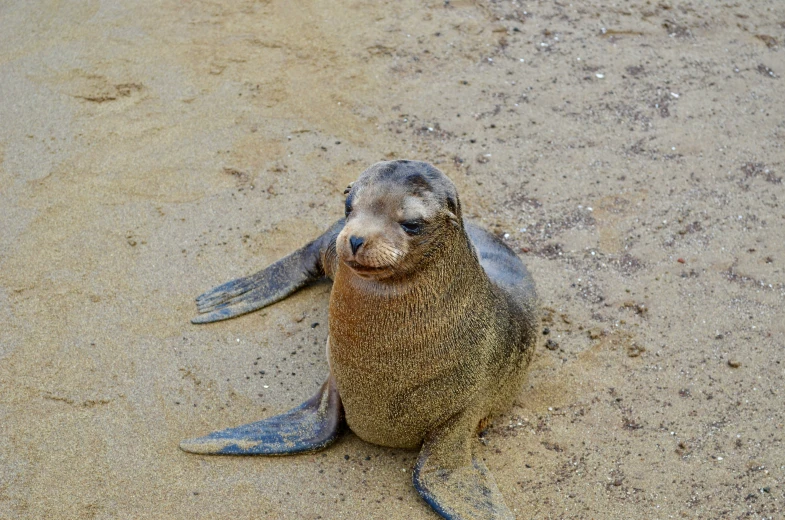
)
(399, 215)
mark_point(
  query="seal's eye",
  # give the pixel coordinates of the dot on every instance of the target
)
(348, 204)
(412, 227)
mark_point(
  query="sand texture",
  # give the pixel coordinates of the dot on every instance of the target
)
(631, 152)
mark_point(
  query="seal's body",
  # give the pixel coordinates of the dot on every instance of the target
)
(432, 326)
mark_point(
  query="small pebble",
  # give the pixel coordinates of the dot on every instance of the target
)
(635, 350)
(546, 331)
(734, 363)
(551, 345)
(594, 332)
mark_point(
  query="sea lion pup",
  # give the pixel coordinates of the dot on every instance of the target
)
(432, 326)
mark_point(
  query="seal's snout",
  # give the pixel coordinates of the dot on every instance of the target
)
(356, 242)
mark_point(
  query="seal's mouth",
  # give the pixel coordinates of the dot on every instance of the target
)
(363, 269)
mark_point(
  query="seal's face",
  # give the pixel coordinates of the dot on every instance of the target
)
(398, 215)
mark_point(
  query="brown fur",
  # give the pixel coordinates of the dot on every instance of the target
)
(430, 336)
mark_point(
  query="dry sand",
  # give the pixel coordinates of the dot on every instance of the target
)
(631, 151)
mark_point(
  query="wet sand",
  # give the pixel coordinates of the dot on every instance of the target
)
(631, 153)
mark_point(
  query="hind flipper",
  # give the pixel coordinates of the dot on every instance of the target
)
(273, 283)
(313, 425)
(457, 485)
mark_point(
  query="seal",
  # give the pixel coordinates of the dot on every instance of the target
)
(432, 325)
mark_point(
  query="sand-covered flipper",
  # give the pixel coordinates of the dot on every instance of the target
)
(313, 425)
(273, 283)
(455, 484)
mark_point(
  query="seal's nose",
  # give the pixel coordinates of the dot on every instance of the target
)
(355, 242)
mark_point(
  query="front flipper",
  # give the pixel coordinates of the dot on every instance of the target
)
(455, 484)
(273, 283)
(313, 425)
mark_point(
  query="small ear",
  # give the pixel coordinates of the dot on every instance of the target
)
(454, 209)
(348, 188)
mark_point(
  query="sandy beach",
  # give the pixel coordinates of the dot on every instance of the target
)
(632, 153)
